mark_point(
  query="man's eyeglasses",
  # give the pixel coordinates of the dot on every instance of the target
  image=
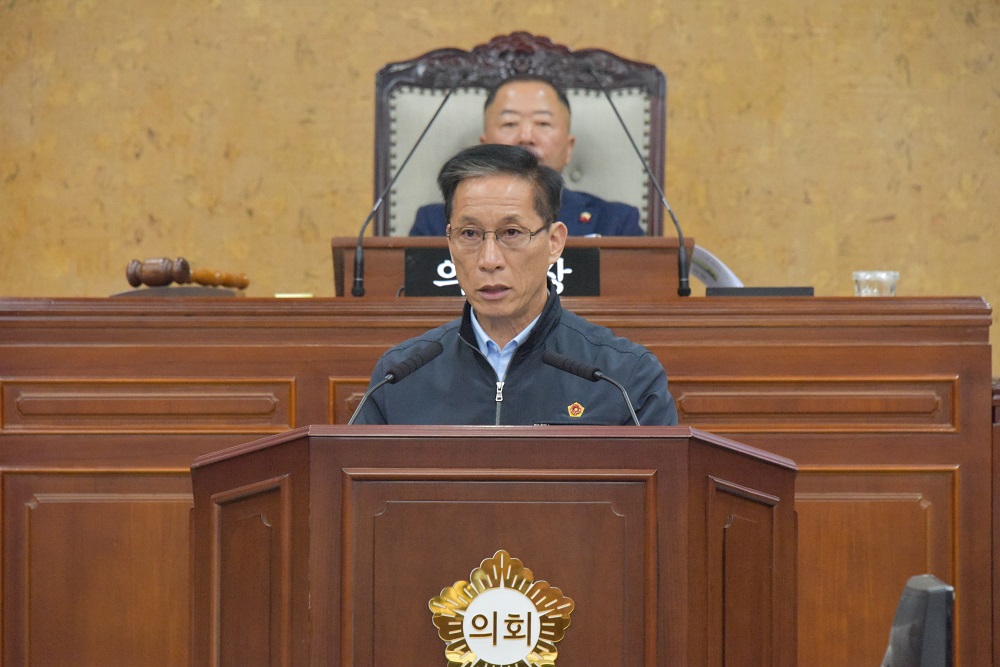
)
(514, 237)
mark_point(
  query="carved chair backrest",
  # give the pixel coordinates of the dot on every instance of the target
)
(604, 162)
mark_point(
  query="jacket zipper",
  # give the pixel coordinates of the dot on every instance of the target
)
(499, 400)
(499, 397)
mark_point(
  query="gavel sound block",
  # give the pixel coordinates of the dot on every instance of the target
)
(164, 271)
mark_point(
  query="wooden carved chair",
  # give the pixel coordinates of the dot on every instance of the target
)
(604, 161)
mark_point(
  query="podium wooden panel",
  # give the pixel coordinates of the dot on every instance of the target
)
(884, 405)
(324, 545)
(632, 267)
(996, 505)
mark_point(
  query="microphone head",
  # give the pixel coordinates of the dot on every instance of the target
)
(418, 359)
(358, 288)
(577, 368)
(683, 264)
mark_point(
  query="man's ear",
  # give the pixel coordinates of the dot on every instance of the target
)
(557, 240)
(570, 142)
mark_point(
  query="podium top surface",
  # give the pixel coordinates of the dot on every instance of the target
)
(611, 434)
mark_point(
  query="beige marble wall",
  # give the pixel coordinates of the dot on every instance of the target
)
(805, 139)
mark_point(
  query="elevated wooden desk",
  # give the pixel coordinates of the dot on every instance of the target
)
(884, 405)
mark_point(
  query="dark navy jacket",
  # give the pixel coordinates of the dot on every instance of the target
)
(582, 213)
(460, 386)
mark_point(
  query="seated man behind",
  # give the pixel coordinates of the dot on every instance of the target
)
(503, 236)
(531, 112)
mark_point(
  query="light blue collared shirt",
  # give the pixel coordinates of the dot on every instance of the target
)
(499, 359)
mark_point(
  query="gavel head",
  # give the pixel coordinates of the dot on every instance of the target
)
(158, 272)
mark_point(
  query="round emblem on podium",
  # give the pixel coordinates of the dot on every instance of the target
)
(501, 617)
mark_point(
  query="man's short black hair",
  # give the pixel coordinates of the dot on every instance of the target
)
(499, 159)
(536, 78)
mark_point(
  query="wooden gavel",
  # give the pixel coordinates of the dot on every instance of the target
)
(163, 271)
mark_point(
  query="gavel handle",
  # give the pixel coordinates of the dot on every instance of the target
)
(219, 279)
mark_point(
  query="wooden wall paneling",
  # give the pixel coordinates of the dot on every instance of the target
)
(920, 408)
(96, 567)
(853, 390)
(865, 403)
(147, 405)
(345, 397)
(892, 522)
(996, 515)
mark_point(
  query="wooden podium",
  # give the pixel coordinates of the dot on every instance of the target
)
(632, 267)
(324, 545)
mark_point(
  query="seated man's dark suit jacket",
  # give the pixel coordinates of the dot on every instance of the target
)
(582, 213)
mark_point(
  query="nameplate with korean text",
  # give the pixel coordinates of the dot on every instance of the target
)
(430, 272)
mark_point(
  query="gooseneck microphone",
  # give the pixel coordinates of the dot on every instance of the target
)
(397, 372)
(683, 266)
(587, 372)
(358, 289)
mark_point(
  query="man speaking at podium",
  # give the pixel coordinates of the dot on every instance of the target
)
(494, 364)
(531, 112)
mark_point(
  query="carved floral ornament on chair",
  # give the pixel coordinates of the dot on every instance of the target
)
(164, 271)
